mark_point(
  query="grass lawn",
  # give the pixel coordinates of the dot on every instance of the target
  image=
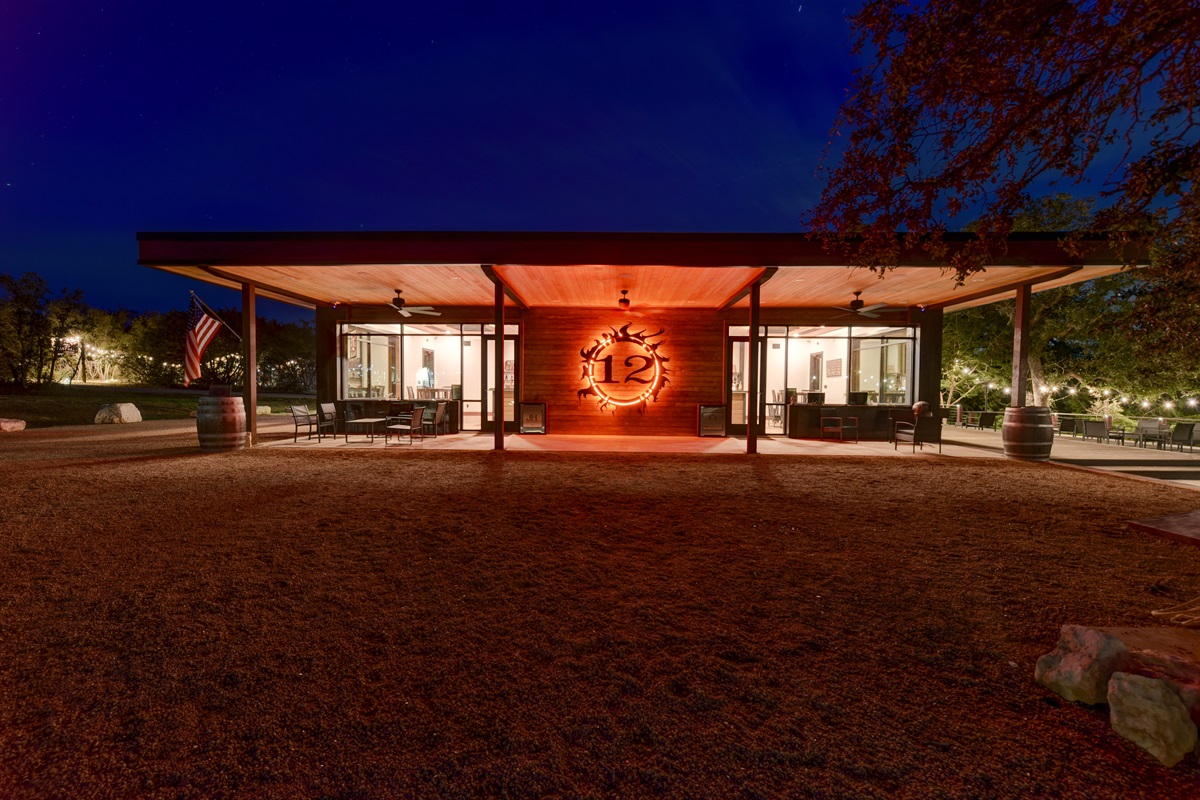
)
(56, 404)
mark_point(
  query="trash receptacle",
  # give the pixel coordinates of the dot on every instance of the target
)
(710, 420)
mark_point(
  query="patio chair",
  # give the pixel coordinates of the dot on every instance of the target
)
(923, 431)
(1095, 429)
(406, 426)
(839, 427)
(986, 419)
(1071, 426)
(303, 418)
(1148, 430)
(439, 420)
(1181, 434)
(326, 419)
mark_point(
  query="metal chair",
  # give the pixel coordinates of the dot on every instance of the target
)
(302, 417)
(1181, 434)
(326, 419)
(920, 432)
(406, 426)
(1095, 429)
(1149, 430)
(439, 420)
(986, 419)
(839, 427)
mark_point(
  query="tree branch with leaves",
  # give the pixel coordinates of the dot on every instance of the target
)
(968, 106)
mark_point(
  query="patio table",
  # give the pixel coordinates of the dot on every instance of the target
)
(368, 423)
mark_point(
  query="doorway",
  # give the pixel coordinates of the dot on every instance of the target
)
(504, 396)
(737, 382)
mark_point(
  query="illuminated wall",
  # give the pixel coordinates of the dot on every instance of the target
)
(554, 369)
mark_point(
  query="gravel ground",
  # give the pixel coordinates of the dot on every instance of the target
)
(366, 623)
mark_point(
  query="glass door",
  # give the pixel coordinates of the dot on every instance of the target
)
(507, 395)
(737, 361)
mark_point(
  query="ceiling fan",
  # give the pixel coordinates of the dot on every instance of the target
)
(408, 311)
(858, 306)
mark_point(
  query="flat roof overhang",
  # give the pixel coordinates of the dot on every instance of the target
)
(589, 270)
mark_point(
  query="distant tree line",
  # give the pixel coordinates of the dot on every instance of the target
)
(47, 338)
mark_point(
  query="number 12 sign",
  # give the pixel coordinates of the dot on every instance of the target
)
(624, 369)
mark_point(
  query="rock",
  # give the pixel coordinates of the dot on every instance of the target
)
(10, 425)
(1150, 713)
(261, 410)
(118, 412)
(1079, 668)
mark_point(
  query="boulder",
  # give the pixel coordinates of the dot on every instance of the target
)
(262, 410)
(1150, 713)
(10, 425)
(118, 412)
(1079, 668)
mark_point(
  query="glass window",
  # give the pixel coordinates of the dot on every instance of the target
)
(400, 360)
(881, 359)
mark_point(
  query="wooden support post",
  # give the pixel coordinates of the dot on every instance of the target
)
(250, 361)
(328, 352)
(929, 357)
(1020, 366)
(498, 369)
(752, 388)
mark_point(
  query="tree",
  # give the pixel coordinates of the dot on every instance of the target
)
(155, 348)
(23, 326)
(968, 106)
(103, 341)
(1133, 333)
(287, 356)
(65, 316)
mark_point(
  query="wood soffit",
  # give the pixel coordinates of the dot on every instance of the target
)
(693, 271)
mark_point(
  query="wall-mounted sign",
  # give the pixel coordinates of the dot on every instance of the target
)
(624, 369)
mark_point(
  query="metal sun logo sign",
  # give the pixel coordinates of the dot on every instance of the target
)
(644, 369)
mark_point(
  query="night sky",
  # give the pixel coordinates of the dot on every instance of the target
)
(654, 115)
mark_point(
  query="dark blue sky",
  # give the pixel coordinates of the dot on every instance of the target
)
(116, 117)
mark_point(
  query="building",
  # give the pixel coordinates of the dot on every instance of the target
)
(615, 333)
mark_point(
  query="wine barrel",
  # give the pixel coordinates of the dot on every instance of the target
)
(1028, 433)
(221, 423)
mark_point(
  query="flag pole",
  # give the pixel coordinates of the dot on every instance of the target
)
(213, 314)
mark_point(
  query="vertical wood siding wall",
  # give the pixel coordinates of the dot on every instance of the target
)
(552, 369)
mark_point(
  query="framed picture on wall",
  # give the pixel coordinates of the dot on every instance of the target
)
(833, 368)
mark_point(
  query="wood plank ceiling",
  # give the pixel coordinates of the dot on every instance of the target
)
(304, 269)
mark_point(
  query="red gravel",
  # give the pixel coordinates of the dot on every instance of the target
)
(343, 624)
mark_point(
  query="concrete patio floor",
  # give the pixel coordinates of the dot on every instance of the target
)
(1179, 468)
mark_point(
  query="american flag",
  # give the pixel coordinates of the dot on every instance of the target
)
(202, 327)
